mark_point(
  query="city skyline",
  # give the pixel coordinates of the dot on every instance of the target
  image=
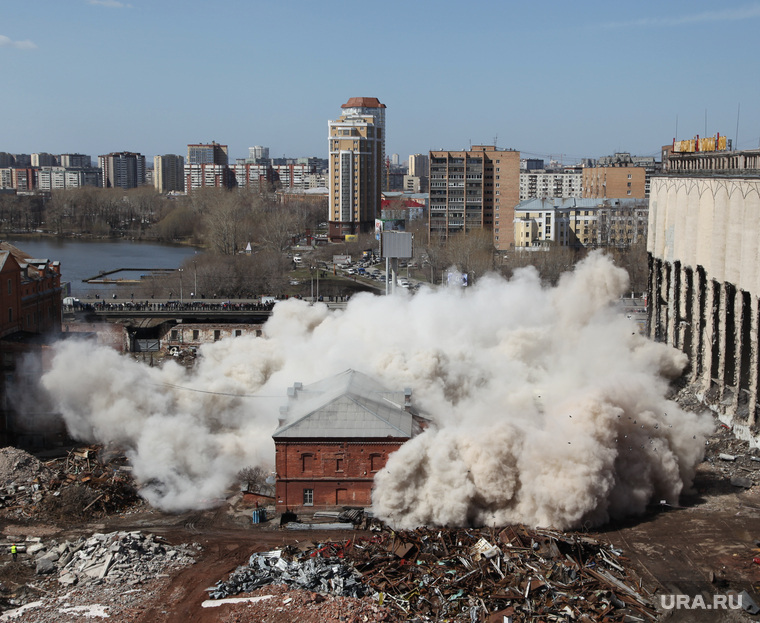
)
(551, 80)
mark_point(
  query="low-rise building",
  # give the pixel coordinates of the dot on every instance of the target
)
(334, 436)
(581, 223)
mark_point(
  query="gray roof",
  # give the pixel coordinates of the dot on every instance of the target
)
(347, 405)
(564, 203)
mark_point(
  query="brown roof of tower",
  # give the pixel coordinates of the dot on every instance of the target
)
(363, 102)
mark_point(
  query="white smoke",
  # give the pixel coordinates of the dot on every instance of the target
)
(548, 407)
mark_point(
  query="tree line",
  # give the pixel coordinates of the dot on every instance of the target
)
(225, 222)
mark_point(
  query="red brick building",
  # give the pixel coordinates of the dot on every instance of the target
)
(30, 318)
(30, 293)
(336, 435)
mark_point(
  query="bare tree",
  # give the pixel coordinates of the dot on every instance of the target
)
(222, 224)
(550, 260)
(472, 253)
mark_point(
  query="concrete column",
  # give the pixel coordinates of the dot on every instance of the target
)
(654, 267)
(673, 297)
(697, 334)
(707, 338)
(754, 372)
(734, 349)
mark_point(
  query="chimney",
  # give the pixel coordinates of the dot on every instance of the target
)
(408, 399)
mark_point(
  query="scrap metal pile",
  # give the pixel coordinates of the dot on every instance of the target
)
(82, 483)
(515, 573)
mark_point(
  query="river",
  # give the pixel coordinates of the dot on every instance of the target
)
(81, 259)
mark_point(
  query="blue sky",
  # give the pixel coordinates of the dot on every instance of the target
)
(561, 79)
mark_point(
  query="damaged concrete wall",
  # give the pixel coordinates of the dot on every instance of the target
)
(195, 334)
(108, 334)
(704, 284)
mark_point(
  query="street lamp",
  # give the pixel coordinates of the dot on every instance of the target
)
(181, 298)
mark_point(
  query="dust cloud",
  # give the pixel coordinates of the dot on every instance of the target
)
(546, 405)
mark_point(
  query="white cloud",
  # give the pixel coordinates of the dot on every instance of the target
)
(7, 42)
(726, 15)
(113, 4)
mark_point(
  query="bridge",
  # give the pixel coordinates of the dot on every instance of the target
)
(231, 311)
(99, 278)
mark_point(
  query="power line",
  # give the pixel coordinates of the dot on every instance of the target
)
(203, 391)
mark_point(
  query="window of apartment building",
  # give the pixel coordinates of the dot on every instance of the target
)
(628, 192)
(629, 176)
(308, 497)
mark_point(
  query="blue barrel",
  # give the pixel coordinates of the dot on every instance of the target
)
(256, 517)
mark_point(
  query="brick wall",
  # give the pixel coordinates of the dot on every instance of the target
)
(337, 472)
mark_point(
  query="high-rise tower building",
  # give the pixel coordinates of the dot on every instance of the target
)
(122, 170)
(212, 153)
(207, 166)
(357, 152)
(169, 173)
(258, 152)
(474, 189)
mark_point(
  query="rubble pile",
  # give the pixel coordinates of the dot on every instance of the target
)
(462, 575)
(20, 468)
(128, 558)
(28, 486)
(325, 575)
(733, 458)
(22, 478)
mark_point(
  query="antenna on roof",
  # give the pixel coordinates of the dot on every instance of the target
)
(495, 140)
(738, 107)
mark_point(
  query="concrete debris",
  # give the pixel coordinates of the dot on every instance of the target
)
(27, 484)
(748, 603)
(461, 575)
(295, 525)
(310, 572)
(19, 468)
(732, 458)
(744, 483)
(123, 557)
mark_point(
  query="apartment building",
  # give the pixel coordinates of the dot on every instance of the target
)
(207, 166)
(539, 184)
(169, 173)
(122, 169)
(474, 189)
(75, 161)
(357, 152)
(207, 153)
(604, 182)
(275, 177)
(581, 222)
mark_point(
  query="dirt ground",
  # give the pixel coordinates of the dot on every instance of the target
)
(706, 546)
